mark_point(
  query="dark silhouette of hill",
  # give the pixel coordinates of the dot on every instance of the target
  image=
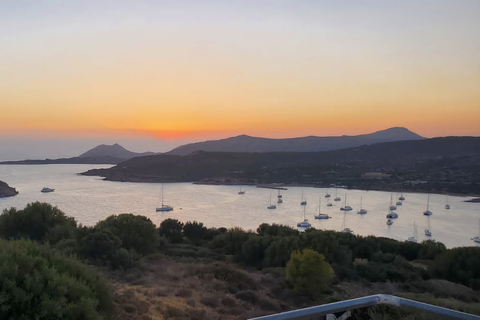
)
(448, 161)
(246, 143)
(102, 154)
(6, 190)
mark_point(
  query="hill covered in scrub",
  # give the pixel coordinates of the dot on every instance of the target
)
(450, 164)
(188, 271)
(6, 190)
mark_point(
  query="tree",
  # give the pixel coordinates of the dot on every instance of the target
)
(195, 231)
(37, 221)
(308, 272)
(172, 230)
(39, 283)
(136, 232)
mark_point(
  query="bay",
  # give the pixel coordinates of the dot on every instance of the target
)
(91, 199)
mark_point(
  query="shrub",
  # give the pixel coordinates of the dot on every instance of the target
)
(37, 282)
(172, 230)
(136, 232)
(308, 272)
(195, 231)
(37, 221)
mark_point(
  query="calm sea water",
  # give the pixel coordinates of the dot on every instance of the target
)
(90, 199)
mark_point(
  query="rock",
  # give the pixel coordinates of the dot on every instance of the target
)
(6, 190)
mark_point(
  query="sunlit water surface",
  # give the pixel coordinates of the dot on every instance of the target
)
(90, 199)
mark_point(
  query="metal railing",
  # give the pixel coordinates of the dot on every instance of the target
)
(348, 305)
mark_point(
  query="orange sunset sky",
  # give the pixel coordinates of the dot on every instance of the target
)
(195, 70)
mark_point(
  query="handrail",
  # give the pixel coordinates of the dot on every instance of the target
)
(367, 301)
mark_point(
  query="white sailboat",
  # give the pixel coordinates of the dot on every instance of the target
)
(304, 223)
(164, 207)
(401, 198)
(361, 211)
(241, 191)
(447, 205)
(477, 238)
(327, 195)
(345, 207)
(428, 231)
(320, 215)
(427, 212)
(414, 238)
(392, 206)
(304, 199)
(271, 206)
(344, 226)
(329, 204)
(337, 198)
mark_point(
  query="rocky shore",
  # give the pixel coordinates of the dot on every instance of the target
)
(6, 190)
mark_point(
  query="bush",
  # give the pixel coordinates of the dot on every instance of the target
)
(37, 282)
(195, 231)
(172, 230)
(308, 272)
(37, 221)
(137, 233)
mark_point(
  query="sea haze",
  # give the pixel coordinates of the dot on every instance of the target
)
(90, 199)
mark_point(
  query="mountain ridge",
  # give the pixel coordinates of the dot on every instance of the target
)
(246, 143)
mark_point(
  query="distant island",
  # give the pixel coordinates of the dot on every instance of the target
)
(6, 190)
(102, 154)
(449, 165)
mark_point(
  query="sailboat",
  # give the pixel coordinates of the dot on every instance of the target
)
(271, 206)
(241, 191)
(304, 200)
(392, 206)
(428, 233)
(327, 195)
(477, 238)
(337, 198)
(279, 197)
(164, 207)
(361, 211)
(401, 198)
(304, 223)
(320, 215)
(427, 212)
(447, 206)
(329, 204)
(345, 207)
(344, 227)
(414, 238)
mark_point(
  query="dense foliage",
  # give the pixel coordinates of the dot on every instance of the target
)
(308, 272)
(37, 282)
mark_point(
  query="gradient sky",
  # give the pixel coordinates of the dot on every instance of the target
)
(212, 69)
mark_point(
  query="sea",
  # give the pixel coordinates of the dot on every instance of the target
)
(91, 199)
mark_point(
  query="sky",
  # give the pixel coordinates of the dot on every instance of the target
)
(156, 74)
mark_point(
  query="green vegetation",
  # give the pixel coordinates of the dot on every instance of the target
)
(185, 270)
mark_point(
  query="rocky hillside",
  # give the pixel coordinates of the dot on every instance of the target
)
(6, 190)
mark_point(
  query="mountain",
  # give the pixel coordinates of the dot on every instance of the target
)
(441, 164)
(114, 151)
(102, 154)
(246, 143)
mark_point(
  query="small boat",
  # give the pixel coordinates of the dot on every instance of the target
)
(389, 222)
(399, 203)
(304, 223)
(392, 215)
(320, 215)
(164, 207)
(361, 211)
(392, 206)
(447, 205)
(279, 200)
(427, 212)
(279, 196)
(327, 195)
(401, 198)
(241, 191)
(414, 238)
(271, 206)
(304, 200)
(45, 190)
(345, 207)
